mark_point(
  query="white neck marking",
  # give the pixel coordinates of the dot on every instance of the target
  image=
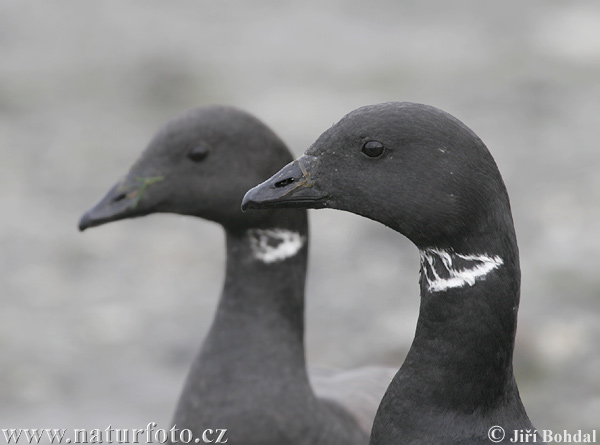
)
(440, 273)
(274, 245)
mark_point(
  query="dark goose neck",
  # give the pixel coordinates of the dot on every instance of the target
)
(253, 354)
(250, 375)
(262, 303)
(457, 380)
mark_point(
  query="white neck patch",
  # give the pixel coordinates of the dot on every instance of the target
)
(274, 245)
(441, 271)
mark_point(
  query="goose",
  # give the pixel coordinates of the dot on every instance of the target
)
(425, 174)
(250, 375)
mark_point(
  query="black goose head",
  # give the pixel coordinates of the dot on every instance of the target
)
(198, 164)
(412, 167)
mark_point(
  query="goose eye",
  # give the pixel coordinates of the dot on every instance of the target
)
(198, 152)
(373, 149)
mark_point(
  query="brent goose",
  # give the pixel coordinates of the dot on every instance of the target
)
(250, 375)
(423, 173)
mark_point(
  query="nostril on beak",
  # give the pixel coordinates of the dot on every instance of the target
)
(119, 197)
(284, 182)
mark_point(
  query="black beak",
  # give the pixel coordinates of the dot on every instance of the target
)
(123, 200)
(295, 185)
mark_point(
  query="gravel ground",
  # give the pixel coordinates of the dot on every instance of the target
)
(100, 328)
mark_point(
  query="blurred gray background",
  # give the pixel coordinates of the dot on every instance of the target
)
(100, 328)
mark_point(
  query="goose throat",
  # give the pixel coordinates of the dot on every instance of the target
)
(274, 245)
(445, 269)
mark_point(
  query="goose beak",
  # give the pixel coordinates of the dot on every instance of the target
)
(295, 185)
(122, 201)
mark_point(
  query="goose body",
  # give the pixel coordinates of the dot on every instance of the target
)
(250, 376)
(425, 174)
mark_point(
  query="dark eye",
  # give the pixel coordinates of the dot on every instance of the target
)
(373, 149)
(198, 152)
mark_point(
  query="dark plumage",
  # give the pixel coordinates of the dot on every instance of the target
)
(250, 375)
(426, 175)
